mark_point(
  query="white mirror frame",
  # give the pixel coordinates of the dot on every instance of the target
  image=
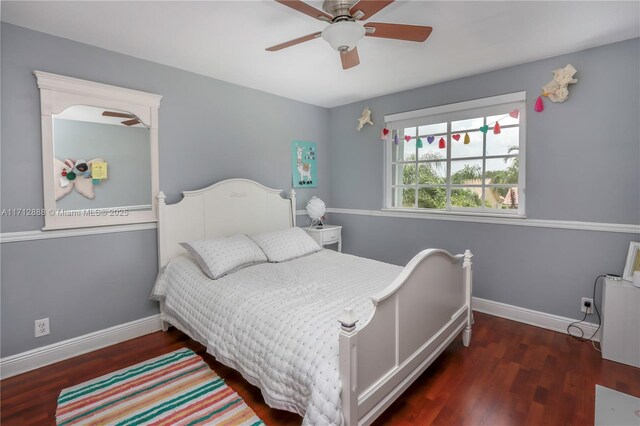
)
(57, 93)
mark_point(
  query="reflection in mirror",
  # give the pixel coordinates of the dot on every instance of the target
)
(102, 159)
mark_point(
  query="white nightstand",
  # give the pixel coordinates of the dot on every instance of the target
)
(329, 234)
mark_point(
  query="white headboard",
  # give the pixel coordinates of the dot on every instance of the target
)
(225, 208)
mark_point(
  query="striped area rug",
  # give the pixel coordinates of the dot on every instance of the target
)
(174, 389)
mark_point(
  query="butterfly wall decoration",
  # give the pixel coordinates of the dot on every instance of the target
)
(70, 174)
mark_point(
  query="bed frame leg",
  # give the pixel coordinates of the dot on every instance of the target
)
(466, 336)
(165, 326)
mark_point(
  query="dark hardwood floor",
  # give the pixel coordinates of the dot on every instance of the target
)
(512, 374)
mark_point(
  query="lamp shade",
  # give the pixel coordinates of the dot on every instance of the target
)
(316, 208)
(343, 36)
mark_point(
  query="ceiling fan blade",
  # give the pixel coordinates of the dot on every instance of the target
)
(368, 8)
(398, 31)
(293, 42)
(303, 7)
(117, 114)
(131, 122)
(350, 59)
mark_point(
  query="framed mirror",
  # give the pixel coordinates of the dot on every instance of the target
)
(99, 153)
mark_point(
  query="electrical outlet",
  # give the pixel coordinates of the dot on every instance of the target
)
(42, 327)
(583, 308)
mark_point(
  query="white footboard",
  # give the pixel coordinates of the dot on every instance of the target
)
(415, 318)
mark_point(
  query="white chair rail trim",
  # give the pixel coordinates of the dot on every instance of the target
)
(515, 221)
(14, 237)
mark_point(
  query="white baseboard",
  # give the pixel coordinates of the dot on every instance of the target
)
(531, 317)
(45, 355)
(39, 357)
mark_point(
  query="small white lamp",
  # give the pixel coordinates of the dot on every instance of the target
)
(315, 210)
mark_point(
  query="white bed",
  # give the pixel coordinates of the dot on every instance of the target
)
(290, 328)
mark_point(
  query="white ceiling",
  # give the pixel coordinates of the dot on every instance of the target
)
(226, 40)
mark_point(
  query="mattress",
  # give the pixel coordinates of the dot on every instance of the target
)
(277, 323)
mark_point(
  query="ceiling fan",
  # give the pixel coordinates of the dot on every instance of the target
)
(345, 31)
(132, 118)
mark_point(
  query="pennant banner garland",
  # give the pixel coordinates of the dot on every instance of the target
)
(556, 90)
(442, 144)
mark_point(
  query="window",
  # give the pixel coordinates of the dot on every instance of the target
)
(454, 158)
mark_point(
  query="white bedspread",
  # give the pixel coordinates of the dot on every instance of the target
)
(278, 323)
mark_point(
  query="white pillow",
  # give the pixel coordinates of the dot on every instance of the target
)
(280, 246)
(221, 256)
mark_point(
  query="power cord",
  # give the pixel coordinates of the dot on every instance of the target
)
(574, 324)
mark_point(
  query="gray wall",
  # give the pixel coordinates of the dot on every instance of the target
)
(82, 284)
(582, 164)
(127, 152)
(544, 269)
(583, 160)
(209, 130)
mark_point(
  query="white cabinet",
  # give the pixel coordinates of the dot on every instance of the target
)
(620, 337)
(328, 234)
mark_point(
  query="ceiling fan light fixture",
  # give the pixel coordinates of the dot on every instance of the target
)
(343, 36)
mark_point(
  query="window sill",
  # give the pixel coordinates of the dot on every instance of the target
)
(436, 213)
(496, 219)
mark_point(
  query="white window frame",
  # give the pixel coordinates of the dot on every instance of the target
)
(453, 112)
